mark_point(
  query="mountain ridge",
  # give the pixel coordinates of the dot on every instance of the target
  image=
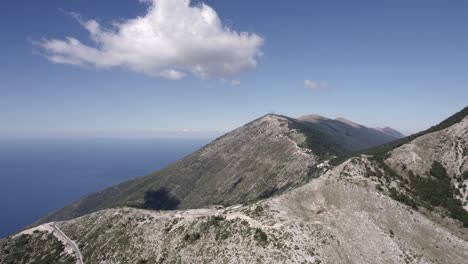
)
(348, 133)
(390, 131)
(285, 151)
(398, 205)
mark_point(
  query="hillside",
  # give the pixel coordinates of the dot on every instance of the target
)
(391, 132)
(428, 170)
(340, 217)
(349, 134)
(402, 204)
(267, 156)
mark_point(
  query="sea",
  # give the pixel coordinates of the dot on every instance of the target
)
(38, 176)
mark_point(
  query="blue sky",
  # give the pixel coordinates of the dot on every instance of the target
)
(379, 63)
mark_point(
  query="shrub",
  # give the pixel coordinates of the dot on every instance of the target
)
(438, 171)
(379, 187)
(465, 175)
(192, 237)
(260, 236)
(403, 198)
(437, 191)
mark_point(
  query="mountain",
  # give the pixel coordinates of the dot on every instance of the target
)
(434, 167)
(267, 156)
(337, 218)
(402, 202)
(349, 134)
(391, 132)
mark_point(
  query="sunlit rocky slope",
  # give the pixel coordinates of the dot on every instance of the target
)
(267, 156)
(398, 203)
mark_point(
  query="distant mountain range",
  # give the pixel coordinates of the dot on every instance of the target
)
(277, 190)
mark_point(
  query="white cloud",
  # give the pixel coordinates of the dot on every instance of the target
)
(314, 85)
(172, 39)
(235, 82)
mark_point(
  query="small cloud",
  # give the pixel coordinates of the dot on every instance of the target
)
(183, 130)
(174, 38)
(172, 74)
(314, 85)
(235, 82)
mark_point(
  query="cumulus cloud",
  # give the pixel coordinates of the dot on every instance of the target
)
(314, 85)
(174, 38)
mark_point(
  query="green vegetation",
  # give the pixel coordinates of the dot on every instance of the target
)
(258, 211)
(432, 191)
(403, 198)
(436, 190)
(260, 237)
(192, 237)
(322, 144)
(219, 225)
(429, 192)
(160, 199)
(212, 222)
(39, 248)
(465, 175)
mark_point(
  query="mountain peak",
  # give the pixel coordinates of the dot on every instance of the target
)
(272, 117)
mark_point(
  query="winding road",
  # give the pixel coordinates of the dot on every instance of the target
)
(79, 257)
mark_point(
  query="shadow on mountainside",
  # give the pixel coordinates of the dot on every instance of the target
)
(160, 199)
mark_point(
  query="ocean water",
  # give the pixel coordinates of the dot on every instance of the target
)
(39, 176)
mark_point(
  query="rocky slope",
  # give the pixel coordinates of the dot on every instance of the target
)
(341, 217)
(398, 205)
(267, 156)
(448, 146)
(37, 246)
(419, 163)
